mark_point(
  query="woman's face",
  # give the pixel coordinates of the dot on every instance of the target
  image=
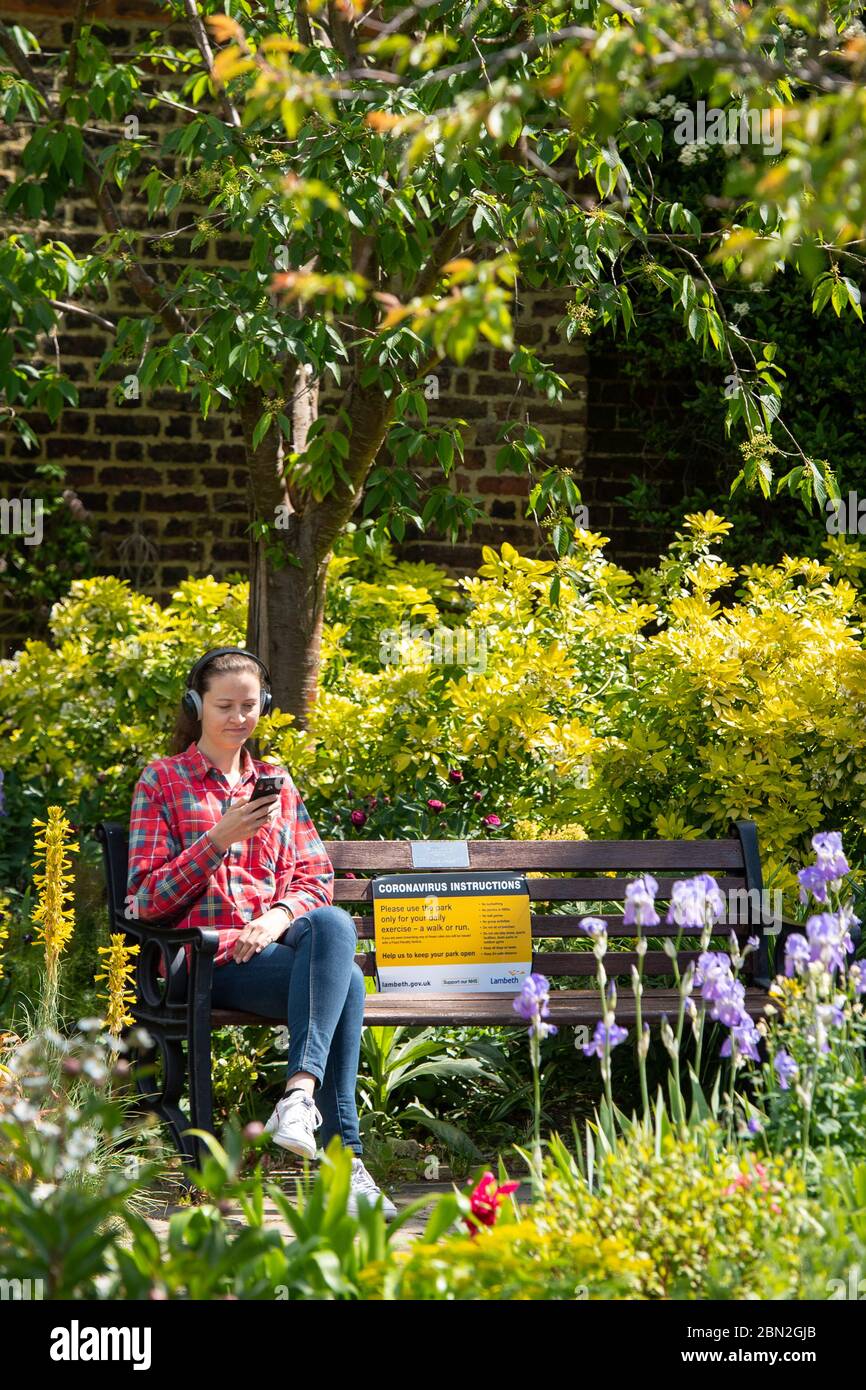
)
(230, 708)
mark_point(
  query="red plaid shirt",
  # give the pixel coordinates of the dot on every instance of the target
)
(175, 867)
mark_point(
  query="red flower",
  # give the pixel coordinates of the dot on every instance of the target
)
(435, 805)
(358, 817)
(491, 820)
(485, 1198)
(455, 774)
(476, 796)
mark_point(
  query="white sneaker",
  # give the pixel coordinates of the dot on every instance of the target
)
(293, 1123)
(361, 1181)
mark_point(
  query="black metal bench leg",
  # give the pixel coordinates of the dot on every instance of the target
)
(163, 1102)
(200, 1087)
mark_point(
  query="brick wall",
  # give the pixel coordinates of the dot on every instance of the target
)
(617, 449)
(166, 490)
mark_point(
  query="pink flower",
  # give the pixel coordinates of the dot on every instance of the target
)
(435, 805)
(476, 796)
(484, 1199)
(358, 817)
(491, 820)
(455, 774)
(741, 1181)
(349, 874)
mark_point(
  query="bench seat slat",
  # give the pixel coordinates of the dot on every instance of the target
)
(567, 1006)
(579, 962)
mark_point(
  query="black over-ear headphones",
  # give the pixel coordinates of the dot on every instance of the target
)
(191, 700)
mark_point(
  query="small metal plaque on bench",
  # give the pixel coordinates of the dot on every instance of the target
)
(440, 854)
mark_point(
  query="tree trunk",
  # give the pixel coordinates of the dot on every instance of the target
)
(285, 619)
(287, 600)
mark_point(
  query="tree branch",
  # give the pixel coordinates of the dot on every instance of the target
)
(150, 291)
(203, 45)
(69, 308)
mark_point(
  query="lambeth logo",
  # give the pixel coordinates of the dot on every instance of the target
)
(76, 1343)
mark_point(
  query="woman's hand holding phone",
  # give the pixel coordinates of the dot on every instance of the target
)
(242, 821)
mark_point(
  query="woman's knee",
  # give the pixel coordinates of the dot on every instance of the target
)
(336, 921)
(337, 918)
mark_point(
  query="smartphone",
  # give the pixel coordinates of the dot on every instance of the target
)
(267, 786)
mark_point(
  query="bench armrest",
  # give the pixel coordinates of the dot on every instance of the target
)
(161, 941)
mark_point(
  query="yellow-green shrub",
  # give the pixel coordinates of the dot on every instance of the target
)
(705, 1222)
(633, 706)
(518, 1261)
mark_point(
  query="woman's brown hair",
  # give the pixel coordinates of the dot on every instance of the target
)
(187, 729)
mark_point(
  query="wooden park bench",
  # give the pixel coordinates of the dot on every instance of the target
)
(177, 1011)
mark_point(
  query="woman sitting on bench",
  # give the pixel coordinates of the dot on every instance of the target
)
(254, 869)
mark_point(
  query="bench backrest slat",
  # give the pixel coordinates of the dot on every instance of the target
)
(636, 856)
(581, 963)
(582, 890)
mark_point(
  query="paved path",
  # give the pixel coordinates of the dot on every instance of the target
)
(401, 1194)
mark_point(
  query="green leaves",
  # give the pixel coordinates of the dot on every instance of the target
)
(31, 276)
(838, 290)
(813, 478)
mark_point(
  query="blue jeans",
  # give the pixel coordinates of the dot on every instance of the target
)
(310, 978)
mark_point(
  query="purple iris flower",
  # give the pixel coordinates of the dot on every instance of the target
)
(712, 972)
(797, 954)
(593, 926)
(533, 997)
(830, 866)
(532, 1003)
(747, 1038)
(719, 988)
(640, 909)
(785, 1068)
(693, 900)
(613, 1036)
(729, 1010)
(812, 880)
(831, 858)
(829, 939)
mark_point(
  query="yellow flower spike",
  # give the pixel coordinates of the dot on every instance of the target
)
(54, 921)
(120, 973)
(4, 927)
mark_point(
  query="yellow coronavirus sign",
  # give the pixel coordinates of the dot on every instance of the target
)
(452, 932)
